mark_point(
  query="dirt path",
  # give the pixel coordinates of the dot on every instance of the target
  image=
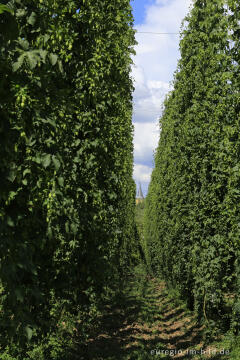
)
(148, 323)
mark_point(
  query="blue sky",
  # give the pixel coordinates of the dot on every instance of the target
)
(154, 65)
(139, 9)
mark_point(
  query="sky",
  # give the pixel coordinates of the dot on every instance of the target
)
(154, 65)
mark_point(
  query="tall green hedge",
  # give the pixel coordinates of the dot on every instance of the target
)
(66, 195)
(192, 215)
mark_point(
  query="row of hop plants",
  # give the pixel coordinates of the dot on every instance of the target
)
(67, 196)
(192, 218)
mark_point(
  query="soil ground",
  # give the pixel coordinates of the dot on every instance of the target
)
(147, 322)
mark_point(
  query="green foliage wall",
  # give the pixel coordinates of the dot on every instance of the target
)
(192, 215)
(67, 196)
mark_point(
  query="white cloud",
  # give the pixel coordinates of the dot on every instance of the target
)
(145, 142)
(155, 62)
(157, 54)
(148, 97)
(142, 173)
(162, 2)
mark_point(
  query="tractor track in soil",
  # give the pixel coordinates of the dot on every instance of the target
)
(148, 323)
